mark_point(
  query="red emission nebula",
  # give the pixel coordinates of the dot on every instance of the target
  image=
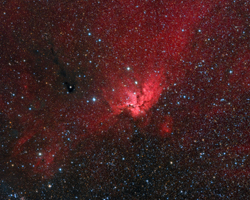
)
(74, 73)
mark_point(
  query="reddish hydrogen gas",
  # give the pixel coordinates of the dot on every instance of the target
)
(71, 71)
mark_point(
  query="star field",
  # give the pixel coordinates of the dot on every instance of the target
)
(124, 99)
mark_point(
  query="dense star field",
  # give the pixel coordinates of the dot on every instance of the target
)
(125, 99)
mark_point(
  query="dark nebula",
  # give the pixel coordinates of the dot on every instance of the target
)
(125, 99)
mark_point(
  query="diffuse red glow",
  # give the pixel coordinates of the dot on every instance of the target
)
(166, 127)
(129, 51)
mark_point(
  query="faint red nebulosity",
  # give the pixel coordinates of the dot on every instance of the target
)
(132, 70)
(166, 127)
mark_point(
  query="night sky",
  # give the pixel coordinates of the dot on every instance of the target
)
(125, 99)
